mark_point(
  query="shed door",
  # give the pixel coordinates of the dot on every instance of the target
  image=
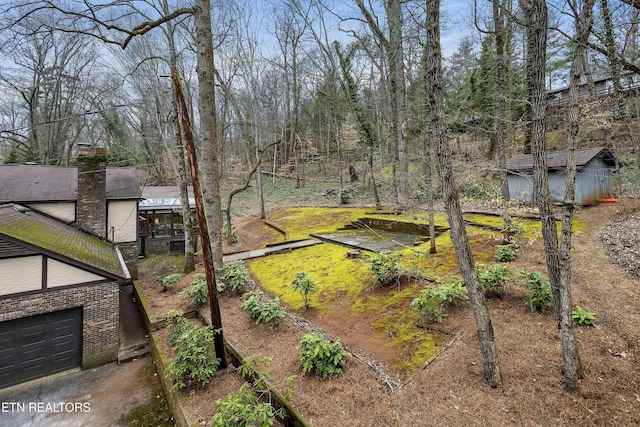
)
(37, 346)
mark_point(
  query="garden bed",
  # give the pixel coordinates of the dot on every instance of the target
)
(451, 389)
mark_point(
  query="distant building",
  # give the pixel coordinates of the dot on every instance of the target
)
(601, 87)
(161, 225)
(593, 179)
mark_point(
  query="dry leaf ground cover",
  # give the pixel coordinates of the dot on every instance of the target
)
(450, 390)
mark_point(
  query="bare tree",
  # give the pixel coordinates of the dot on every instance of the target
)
(500, 101)
(52, 84)
(435, 100)
(535, 12)
(365, 127)
(391, 45)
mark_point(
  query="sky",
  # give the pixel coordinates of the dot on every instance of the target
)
(456, 20)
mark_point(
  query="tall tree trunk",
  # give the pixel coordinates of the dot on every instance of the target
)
(500, 100)
(181, 162)
(394, 15)
(536, 12)
(428, 156)
(620, 110)
(207, 255)
(208, 125)
(435, 99)
(572, 363)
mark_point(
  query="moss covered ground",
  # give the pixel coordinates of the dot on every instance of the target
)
(346, 286)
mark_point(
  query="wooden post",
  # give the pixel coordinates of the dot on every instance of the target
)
(203, 229)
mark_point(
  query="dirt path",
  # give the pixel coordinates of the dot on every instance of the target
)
(611, 292)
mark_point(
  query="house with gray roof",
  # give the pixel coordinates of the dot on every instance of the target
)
(93, 197)
(68, 247)
(59, 296)
(593, 178)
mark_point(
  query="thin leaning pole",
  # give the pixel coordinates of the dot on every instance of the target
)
(203, 228)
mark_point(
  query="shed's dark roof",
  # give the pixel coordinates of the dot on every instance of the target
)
(558, 159)
(36, 229)
(36, 183)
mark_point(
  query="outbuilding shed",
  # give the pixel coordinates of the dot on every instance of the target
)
(593, 179)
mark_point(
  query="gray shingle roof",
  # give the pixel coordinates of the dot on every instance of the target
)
(558, 159)
(37, 183)
(39, 230)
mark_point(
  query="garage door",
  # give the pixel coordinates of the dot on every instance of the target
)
(37, 346)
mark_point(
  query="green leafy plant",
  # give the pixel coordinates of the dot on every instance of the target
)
(195, 359)
(249, 369)
(196, 293)
(493, 278)
(169, 283)
(261, 310)
(243, 408)
(345, 196)
(234, 277)
(514, 231)
(386, 266)
(417, 255)
(304, 284)
(433, 299)
(319, 354)
(234, 232)
(178, 324)
(505, 253)
(537, 291)
(582, 317)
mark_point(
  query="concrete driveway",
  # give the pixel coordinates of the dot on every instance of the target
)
(96, 397)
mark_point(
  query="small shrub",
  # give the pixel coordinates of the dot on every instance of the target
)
(537, 291)
(195, 359)
(493, 278)
(515, 230)
(321, 355)
(386, 267)
(433, 299)
(170, 282)
(582, 317)
(233, 277)
(419, 195)
(505, 253)
(234, 232)
(249, 369)
(262, 311)
(345, 196)
(473, 191)
(196, 293)
(417, 255)
(306, 286)
(178, 324)
(243, 408)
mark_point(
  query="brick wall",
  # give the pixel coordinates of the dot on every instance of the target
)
(129, 252)
(91, 208)
(100, 313)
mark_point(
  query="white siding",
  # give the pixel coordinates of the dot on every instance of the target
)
(20, 274)
(63, 211)
(123, 217)
(61, 274)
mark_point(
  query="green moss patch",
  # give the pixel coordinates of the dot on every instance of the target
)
(347, 294)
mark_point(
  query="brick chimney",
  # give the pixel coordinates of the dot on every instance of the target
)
(91, 206)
